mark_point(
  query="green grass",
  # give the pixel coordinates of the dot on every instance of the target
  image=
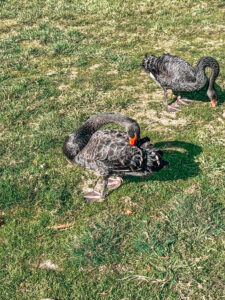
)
(83, 57)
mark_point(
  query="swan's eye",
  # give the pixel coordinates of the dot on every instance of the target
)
(133, 140)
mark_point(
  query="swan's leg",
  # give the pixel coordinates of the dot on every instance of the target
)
(181, 101)
(169, 107)
(104, 188)
(114, 183)
(166, 99)
(96, 181)
(95, 196)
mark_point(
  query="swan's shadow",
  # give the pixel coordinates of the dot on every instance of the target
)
(202, 96)
(182, 163)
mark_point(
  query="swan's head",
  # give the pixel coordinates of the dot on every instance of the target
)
(133, 133)
(211, 93)
(70, 147)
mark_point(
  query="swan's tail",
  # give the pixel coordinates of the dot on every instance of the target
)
(156, 65)
(150, 64)
(154, 160)
(147, 160)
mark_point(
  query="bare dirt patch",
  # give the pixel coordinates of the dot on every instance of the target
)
(63, 87)
(94, 67)
(73, 73)
(31, 44)
(192, 189)
(7, 23)
(150, 116)
(112, 72)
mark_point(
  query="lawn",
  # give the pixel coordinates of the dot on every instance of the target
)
(63, 61)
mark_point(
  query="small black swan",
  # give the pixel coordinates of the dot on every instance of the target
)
(112, 152)
(172, 72)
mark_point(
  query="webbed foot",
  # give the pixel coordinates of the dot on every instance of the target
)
(114, 183)
(93, 196)
(181, 101)
(171, 108)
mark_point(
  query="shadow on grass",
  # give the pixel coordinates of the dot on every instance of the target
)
(202, 96)
(182, 162)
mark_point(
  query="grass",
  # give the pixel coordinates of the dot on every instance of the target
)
(62, 61)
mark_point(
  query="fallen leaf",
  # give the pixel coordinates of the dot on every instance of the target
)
(62, 111)
(101, 200)
(200, 286)
(112, 72)
(219, 280)
(61, 226)
(148, 267)
(224, 113)
(102, 294)
(70, 164)
(221, 120)
(128, 211)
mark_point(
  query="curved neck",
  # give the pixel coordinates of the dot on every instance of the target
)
(84, 133)
(100, 120)
(213, 64)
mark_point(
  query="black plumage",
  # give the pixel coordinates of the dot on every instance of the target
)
(112, 152)
(172, 72)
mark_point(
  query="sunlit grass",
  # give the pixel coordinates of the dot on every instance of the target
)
(62, 61)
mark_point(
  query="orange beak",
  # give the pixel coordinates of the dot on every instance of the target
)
(133, 140)
(214, 102)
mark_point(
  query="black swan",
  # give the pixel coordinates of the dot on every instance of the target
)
(172, 72)
(112, 152)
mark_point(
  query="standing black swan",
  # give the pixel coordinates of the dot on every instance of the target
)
(112, 152)
(172, 72)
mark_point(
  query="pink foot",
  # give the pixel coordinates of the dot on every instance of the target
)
(114, 183)
(93, 196)
(181, 101)
(171, 108)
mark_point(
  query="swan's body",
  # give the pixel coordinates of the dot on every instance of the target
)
(109, 152)
(172, 72)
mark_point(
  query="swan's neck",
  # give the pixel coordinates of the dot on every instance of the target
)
(76, 141)
(210, 62)
(97, 121)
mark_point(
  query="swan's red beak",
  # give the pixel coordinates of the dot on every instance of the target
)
(214, 102)
(132, 141)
